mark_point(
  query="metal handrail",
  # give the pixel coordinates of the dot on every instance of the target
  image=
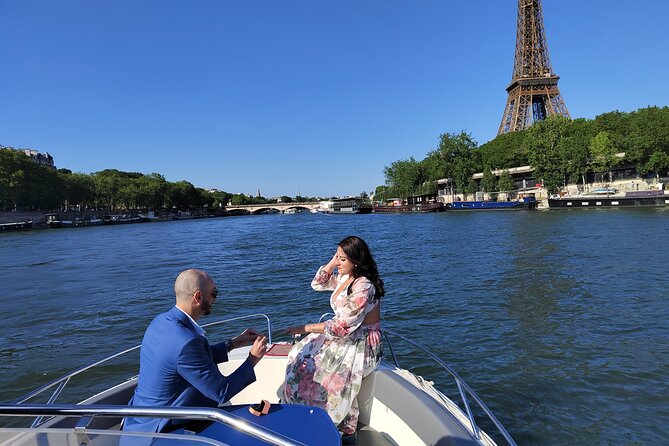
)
(463, 388)
(248, 316)
(323, 316)
(187, 413)
(63, 380)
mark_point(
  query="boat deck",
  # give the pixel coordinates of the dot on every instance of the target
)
(396, 408)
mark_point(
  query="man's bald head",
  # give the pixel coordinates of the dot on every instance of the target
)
(188, 282)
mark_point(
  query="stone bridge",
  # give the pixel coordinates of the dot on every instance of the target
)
(269, 208)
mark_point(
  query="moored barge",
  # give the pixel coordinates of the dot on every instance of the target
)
(407, 208)
(630, 199)
(350, 206)
(526, 203)
(16, 226)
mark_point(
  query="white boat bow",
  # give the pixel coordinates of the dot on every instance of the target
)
(397, 407)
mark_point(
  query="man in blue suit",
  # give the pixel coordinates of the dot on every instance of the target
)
(178, 367)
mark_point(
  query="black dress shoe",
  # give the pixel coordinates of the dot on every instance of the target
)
(350, 439)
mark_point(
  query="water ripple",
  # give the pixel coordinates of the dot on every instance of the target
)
(557, 319)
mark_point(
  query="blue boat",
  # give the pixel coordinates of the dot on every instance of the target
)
(525, 203)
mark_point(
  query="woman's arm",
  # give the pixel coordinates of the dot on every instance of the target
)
(348, 317)
(304, 329)
(324, 280)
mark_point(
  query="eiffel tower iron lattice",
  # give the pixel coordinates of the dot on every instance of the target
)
(533, 91)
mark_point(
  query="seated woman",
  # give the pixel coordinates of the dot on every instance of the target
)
(325, 369)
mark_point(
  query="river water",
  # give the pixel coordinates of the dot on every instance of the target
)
(558, 319)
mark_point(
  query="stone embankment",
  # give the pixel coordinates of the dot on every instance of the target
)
(38, 217)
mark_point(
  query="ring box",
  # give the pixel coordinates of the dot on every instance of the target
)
(260, 409)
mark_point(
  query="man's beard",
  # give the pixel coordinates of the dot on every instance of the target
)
(207, 312)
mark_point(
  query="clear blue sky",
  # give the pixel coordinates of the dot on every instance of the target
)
(310, 97)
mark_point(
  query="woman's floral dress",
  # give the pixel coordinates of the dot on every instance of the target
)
(326, 370)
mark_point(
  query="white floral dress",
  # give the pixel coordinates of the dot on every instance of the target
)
(326, 370)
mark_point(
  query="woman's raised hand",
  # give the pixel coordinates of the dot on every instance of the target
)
(332, 264)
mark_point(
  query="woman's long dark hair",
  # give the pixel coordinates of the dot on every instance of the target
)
(358, 252)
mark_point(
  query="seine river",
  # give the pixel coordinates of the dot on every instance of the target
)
(558, 319)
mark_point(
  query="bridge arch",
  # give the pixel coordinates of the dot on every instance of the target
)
(265, 207)
(265, 210)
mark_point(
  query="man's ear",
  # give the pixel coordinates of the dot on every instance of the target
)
(197, 297)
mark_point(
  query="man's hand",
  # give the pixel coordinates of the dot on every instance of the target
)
(247, 337)
(258, 349)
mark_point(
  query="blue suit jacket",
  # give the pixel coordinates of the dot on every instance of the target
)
(177, 367)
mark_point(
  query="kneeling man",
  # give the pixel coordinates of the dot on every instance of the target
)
(178, 367)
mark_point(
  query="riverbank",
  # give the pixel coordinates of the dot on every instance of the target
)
(621, 187)
(38, 218)
(41, 220)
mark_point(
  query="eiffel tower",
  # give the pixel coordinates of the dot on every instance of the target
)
(533, 91)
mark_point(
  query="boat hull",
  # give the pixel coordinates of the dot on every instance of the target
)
(607, 202)
(16, 226)
(116, 220)
(350, 211)
(527, 204)
(404, 209)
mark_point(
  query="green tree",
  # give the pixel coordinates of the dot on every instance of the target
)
(44, 188)
(202, 199)
(542, 142)
(603, 154)
(459, 158)
(13, 167)
(506, 182)
(79, 188)
(221, 199)
(242, 199)
(27, 185)
(574, 150)
(404, 176)
(382, 193)
(505, 151)
(488, 182)
(657, 163)
(151, 191)
(642, 133)
(128, 193)
(459, 150)
(181, 195)
(107, 184)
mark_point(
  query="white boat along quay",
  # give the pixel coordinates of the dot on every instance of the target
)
(556, 320)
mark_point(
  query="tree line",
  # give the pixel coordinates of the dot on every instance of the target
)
(559, 149)
(27, 185)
